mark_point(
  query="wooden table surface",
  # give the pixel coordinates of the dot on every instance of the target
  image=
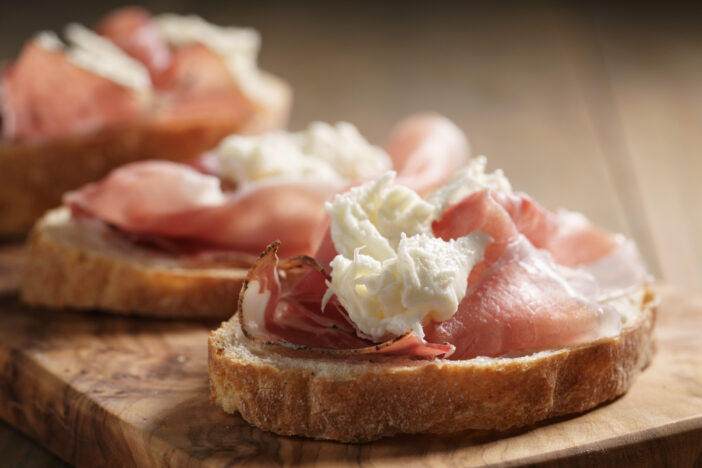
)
(595, 108)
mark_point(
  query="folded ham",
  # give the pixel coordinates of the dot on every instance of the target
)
(45, 95)
(568, 236)
(542, 284)
(175, 201)
(192, 80)
(293, 314)
(178, 201)
(426, 151)
(133, 30)
(521, 302)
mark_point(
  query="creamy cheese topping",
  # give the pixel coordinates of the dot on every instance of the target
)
(238, 47)
(99, 55)
(332, 153)
(229, 41)
(48, 40)
(102, 57)
(469, 179)
(391, 273)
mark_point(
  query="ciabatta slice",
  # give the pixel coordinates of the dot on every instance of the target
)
(34, 175)
(293, 392)
(84, 264)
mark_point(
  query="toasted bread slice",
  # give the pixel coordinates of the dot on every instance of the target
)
(85, 264)
(34, 175)
(294, 392)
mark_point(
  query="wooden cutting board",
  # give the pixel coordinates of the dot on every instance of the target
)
(102, 390)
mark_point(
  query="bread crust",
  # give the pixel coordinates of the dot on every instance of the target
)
(86, 265)
(359, 401)
(34, 175)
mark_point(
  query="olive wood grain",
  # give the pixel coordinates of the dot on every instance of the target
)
(114, 391)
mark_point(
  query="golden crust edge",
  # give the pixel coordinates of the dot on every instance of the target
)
(438, 397)
(71, 275)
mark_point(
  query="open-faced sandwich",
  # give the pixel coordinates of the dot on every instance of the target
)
(136, 87)
(475, 308)
(176, 240)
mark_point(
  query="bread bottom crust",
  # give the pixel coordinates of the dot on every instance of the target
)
(83, 264)
(361, 401)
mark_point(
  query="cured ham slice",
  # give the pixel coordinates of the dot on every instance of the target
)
(569, 237)
(196, 69)
(289, 313)
(196, 80)
(135, 196)
(577, 242)
(519, 300)
(175, 201)
(326, 251)
(521, 303)
(45, 95)
(199, 85)
(426, 150)
(270, 308)
(478, 212)
(133, 30)
(619, 271)
(187, 203)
